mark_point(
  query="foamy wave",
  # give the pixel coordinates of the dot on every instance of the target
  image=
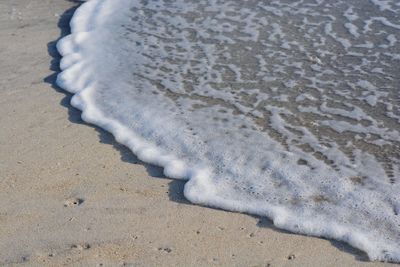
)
(289, 111)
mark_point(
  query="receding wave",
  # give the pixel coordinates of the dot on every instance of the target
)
(284, 109)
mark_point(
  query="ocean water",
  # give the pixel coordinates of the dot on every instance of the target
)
(284, 109)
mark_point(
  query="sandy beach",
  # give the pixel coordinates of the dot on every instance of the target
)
(70, 195)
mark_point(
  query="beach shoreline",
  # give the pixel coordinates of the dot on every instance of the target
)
(73, 196)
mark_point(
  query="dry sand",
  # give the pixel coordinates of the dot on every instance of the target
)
(69, 195)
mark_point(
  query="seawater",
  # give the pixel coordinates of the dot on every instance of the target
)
(284, 109)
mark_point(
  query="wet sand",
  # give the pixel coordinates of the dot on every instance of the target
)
(70, 195)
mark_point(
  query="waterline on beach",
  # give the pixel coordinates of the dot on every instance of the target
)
(288, 111)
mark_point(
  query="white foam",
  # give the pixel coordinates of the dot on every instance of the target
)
(252, 107)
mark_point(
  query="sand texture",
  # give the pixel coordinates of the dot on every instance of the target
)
(70, 195)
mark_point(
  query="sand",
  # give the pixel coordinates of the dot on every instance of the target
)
(70, 195)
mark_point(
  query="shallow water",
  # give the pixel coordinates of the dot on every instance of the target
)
(285, 109)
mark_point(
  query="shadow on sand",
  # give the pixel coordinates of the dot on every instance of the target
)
(175, 186)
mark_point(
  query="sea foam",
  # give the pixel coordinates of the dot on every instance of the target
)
(283, 109)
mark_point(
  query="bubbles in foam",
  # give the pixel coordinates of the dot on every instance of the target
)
(288, 110)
